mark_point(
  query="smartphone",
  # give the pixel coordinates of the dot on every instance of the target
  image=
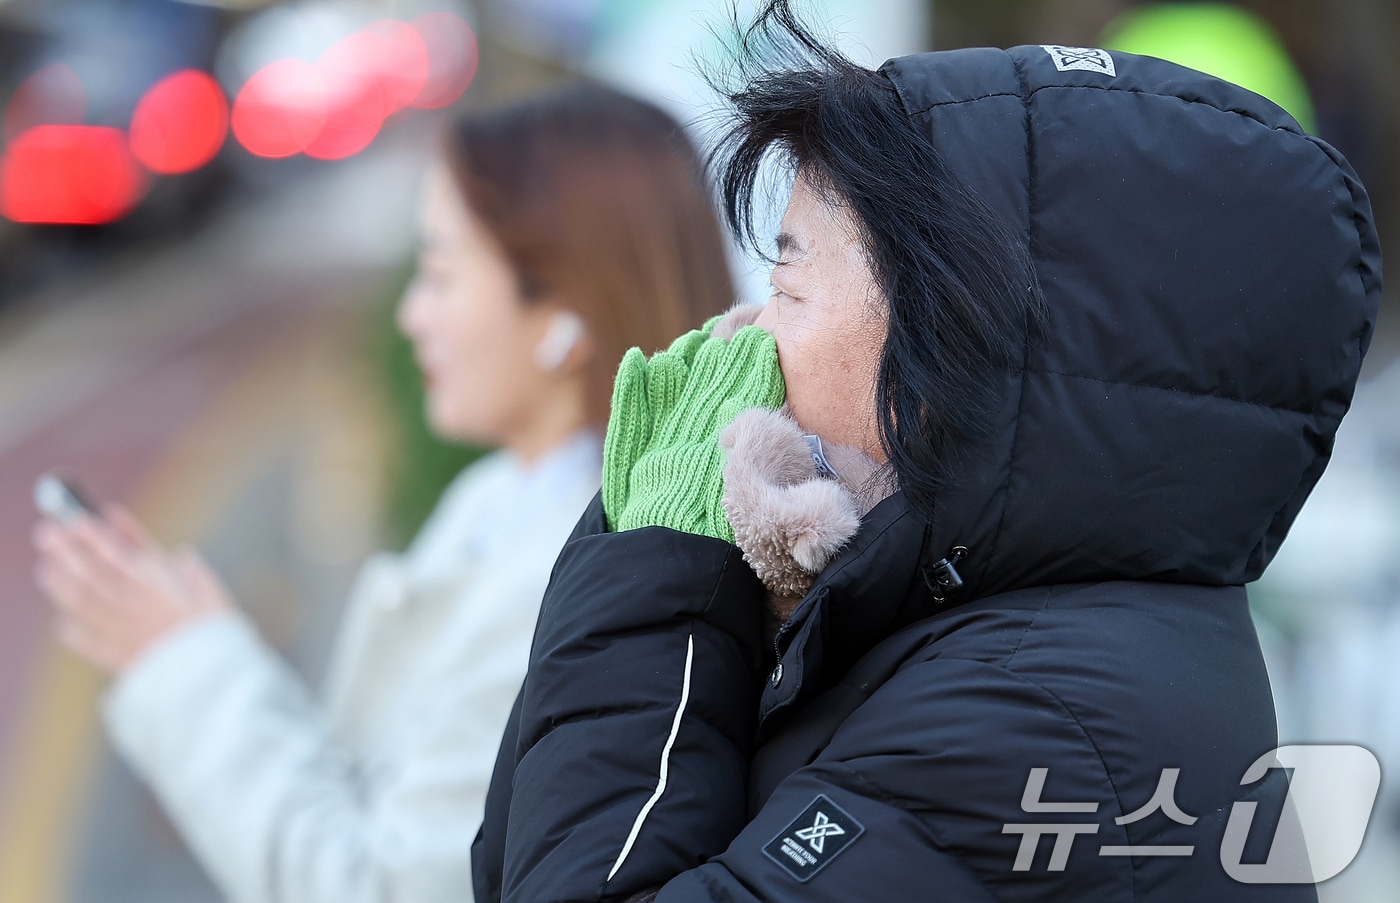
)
(61, 499)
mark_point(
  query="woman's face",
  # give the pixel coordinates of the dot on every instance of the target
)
(829, 320)
(472, 335)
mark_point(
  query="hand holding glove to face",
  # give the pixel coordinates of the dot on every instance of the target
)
(662, 462)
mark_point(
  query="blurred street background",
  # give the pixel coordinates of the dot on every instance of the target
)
(206, 216)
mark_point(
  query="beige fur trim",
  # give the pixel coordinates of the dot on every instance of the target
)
(788, 521)
(735, 319)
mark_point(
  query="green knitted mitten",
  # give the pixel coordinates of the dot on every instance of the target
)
(661, 456)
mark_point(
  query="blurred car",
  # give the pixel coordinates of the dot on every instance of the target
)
(131, 120)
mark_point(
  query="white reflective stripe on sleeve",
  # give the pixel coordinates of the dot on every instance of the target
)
(665, 761)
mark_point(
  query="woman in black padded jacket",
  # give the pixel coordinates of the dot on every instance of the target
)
(1075, 331)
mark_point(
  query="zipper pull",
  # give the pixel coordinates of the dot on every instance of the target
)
(777, 676)
(942, 577)
(814, 447)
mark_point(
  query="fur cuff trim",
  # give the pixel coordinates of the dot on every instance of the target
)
(735, 319)
(788, 521)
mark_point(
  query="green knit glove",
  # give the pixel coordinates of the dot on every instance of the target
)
(661, 456)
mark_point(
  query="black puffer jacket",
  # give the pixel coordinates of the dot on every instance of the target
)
(1212, 277)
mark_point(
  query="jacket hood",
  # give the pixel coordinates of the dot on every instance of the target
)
(1212, 276)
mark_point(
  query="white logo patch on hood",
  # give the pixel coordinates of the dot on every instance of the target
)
(1089, 59)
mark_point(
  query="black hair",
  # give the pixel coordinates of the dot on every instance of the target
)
(958, 281)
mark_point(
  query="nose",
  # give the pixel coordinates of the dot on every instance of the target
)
(767, 319)
(408, 315)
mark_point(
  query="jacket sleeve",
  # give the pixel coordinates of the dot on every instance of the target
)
(241, 757)
(636, 717)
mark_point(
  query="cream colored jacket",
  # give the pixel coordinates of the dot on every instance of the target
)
(375, 792)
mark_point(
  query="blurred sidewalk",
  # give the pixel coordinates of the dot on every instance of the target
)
(219, 388)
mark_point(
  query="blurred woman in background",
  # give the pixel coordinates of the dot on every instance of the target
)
(555, 234)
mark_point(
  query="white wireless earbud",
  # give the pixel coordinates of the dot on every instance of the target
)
(565, 329)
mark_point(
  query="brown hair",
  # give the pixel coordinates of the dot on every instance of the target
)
(599, 198)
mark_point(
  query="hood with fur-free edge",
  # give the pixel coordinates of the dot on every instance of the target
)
(1212, 276)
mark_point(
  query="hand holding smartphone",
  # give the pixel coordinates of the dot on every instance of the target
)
(61, 499)
(114, 589)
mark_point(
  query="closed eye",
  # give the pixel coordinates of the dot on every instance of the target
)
(788, 246)
(779, 291)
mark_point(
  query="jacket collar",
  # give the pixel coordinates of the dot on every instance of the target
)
(874, 586)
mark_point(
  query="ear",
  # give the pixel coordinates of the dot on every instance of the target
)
(565, 344)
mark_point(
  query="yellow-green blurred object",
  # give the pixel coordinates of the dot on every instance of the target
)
(1220, 39)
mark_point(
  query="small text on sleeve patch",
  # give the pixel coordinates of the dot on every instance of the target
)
(814, 838)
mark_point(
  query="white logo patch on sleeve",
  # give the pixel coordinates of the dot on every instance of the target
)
(1088, 59)
(814, 838)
